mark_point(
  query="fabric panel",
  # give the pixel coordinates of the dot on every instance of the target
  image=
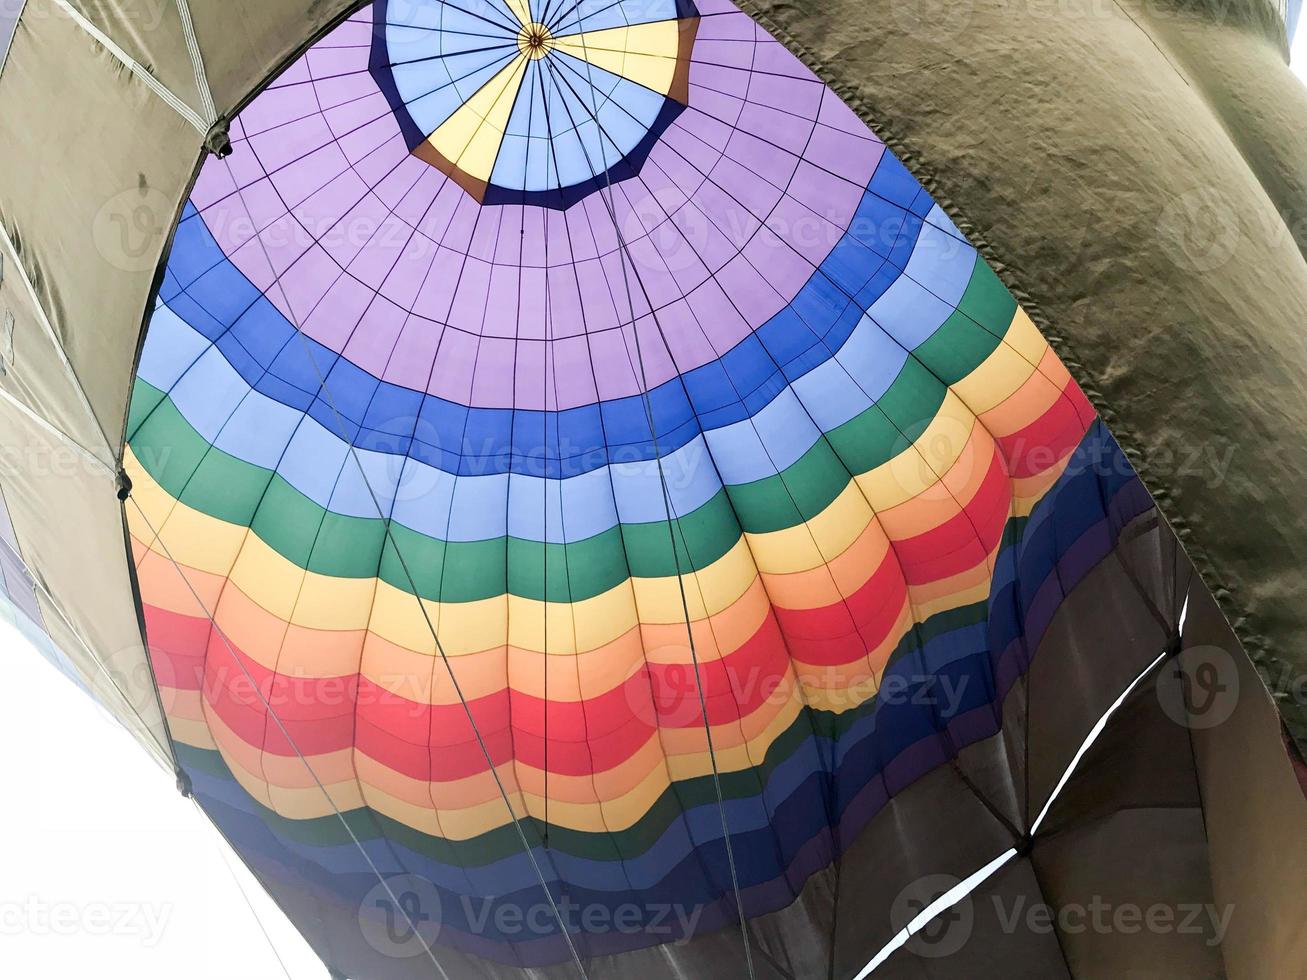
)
(1169, 312)
(1250, 795)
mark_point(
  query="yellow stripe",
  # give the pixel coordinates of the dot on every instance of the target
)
(806, 546)
(1025, 338)
(470, 138)
(996, 378)
(645, 54)
(931, 455)
(319, 602)
(521, 10)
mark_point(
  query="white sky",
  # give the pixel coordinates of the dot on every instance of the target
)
(105, 871)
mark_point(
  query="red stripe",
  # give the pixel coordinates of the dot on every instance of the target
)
(964, 540)
(829, 636)
(436, 741)
(1047, 440)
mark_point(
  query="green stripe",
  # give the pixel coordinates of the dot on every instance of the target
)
(218, 484)
(973, 331)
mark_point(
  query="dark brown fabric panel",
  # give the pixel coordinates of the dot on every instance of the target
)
(1115, 884)
(1176, 849)
(1132, 896)
(1255, 811)
(1123, 855)
(1141, 760)
(914, 837)
(987, 935)
(1100, 641)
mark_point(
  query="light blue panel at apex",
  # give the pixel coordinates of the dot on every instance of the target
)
(434, 89)
(595, 119)
(598, 15)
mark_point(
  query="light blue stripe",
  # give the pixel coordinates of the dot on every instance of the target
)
(260, 428)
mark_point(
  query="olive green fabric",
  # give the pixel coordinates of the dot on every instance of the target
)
(1136, 171)
(97, 160)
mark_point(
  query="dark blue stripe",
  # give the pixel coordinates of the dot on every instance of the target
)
(204, 288)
